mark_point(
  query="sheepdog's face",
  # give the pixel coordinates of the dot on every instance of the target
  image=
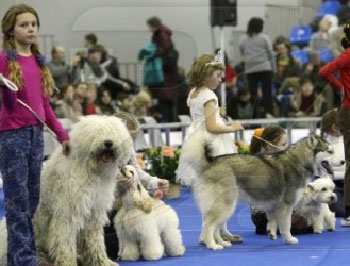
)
(321, 190)
(104, 140)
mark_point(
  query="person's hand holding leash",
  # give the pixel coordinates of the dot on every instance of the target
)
(66, 147)
(9, 84)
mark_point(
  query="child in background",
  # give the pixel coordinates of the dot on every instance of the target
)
(21, 133)
(330, 132)
(264, 141)
(89, 105)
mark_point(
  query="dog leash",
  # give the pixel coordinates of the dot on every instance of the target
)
(10, 85)
(267, 142)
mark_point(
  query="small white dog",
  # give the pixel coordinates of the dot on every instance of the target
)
(314, 204)
(145, 226)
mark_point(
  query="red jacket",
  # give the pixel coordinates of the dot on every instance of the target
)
(342, 65)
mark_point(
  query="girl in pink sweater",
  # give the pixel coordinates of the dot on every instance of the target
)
(21, 132)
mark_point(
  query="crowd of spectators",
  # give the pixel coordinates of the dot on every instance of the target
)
(269, 81)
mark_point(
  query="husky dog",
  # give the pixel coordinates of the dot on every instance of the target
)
(271, 182)
(314, 204)
(145, 226)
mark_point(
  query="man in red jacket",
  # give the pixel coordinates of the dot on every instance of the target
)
(342, 65)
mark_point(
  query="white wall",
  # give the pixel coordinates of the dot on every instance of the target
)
(121, 24)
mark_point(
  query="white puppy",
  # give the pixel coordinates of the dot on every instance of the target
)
(314, 204)
(145, 226)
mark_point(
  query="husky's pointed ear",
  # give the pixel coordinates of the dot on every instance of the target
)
(312, 140)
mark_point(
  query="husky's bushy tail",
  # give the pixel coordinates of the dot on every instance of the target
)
(195, 154)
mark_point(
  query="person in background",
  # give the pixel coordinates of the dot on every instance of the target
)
(242, 106)
(105, 104)
(341, 67)
(256, 49)
(230, 80)
(307, 102)
(331, 133)
(167, 93)
(21, 133)
(68, 107)
(59, 69)
(90, 40)
(321, 39)
(287, 66)
(89, 104)
(266, 141)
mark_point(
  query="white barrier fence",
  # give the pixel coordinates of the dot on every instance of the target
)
(173, 134)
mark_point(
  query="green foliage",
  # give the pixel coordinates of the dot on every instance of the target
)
(160, 165)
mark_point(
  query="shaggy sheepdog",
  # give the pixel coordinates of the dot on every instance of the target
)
(314, 204)
(76, 192)
(145, 226)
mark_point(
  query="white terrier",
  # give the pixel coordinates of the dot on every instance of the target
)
(145, 226)
(314, 204)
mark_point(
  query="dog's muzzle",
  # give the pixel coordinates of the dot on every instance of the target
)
(108, 152)
(333, 198)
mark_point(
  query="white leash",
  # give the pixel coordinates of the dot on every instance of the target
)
(10, 85)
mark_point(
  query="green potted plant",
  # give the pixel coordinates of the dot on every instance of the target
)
(163, 162)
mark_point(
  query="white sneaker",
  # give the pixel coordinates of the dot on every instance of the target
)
(0, 182)
(345, 222)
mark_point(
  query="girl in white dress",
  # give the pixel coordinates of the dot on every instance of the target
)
(206, 120)
(207, 125)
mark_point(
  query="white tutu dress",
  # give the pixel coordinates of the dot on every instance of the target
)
(197, 136)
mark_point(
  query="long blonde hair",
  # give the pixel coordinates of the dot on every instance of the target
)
(14, 70)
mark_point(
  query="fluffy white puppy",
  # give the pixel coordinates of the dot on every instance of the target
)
(145, 226)
(314, 204)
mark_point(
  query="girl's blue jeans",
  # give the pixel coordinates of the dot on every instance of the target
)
(21, 157)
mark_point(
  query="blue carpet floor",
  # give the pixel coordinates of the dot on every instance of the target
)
(328, 248)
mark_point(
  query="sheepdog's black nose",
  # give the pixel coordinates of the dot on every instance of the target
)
(342, 162)
(108, 143)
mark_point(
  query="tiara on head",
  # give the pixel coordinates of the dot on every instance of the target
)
(218, 59)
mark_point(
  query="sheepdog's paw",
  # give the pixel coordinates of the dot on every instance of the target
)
(179, 251)
(291, 240)
(317, 231)
(153, 255)
(110, 263)
(129, 256)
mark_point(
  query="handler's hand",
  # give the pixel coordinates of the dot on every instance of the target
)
(1, 79)
(163, 184)
(236, 125)
(66, 147)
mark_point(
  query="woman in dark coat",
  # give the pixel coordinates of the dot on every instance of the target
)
(167, 94)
